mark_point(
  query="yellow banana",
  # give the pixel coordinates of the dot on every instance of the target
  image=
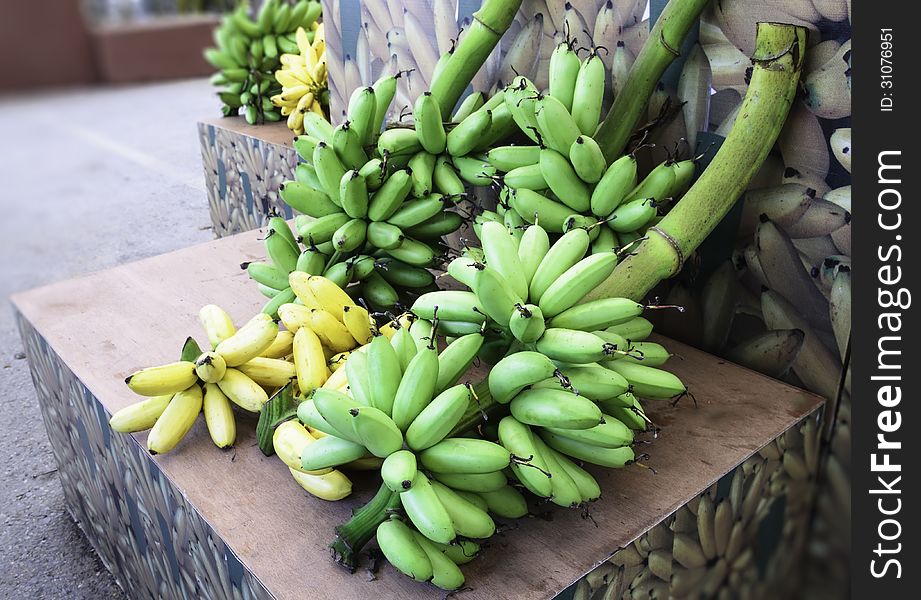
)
(176, 421)
(243, 391)
(219, 416)
(332, 486)
(294, 316)
(249, 342)
(217, 324)
(358, 322)
(298, 281)
(282, 346)
(289, 440)
(309, 360)
(329, 295)
(331, 331)
(269, 372)
(164, 379)
(139, 416)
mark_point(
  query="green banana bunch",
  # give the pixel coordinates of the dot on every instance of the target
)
(563, 179)
(390, 194)
(247, 54)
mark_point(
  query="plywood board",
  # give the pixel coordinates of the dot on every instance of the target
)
(273, 133)
(107, 325)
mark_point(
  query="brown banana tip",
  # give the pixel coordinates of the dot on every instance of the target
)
(128, 379)
(353, 412)
(406, 484)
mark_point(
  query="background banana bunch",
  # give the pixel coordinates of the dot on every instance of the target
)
(303, 79)
(248, 54)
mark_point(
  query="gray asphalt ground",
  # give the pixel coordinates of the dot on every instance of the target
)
(89, 179)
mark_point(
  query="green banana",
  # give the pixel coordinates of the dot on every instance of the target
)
(529, 466)
(427, 116)
(468, 520)
(445, 178)
(636, 329)
(308, 414)
(388, 198)
(353, 194)
(532, 247)
(466, 135)
(417, 386)
(566, 252)
(350, 236)
(451, 305)
(376, 430)
(610, 434)
(528, 177)
(330, 451)
(403, 550)
(598, 314)
(650, 354)
(329, 170)
(507, 503)
(614, 185)
(473, 482)
(657, 185)
(560, 408)
(521, 101)
(434, 227)
(614, 458)
(465, 455)
(438, 418)
(587, 160)
(527, 323)
(472, 103)
(573, 346)
(509, 158)
(322, 230)
(591, 381)
(361, 112)
(398, 141)
(562, 179)
(335, 408)
(474, 170)
(586, 484)
(445, 573)
(404, 345)
(632, 215)
(589, 94)
(384, 90)
(565, 492)
(576, 282)
(455, 359)
(648, 382)
(347, 143)
(414, 212)
(564, 71)
(501, 251)
(557, 127)
(495, 295)
(399, 470)
(422, 171)
(517, 371)
(426, 511)
(384, 373)
(402, 275)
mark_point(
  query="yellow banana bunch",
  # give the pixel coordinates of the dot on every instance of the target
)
(303, 79)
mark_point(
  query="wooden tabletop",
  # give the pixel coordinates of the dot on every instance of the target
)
(107, 325)
(274, 133)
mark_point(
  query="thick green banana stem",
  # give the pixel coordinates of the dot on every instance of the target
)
(352, 535)
(489, 23)
(778, 63)
(658, 52)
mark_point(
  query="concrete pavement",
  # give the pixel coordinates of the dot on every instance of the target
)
(88, 179)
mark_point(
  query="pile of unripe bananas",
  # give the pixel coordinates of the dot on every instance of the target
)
(248, 54)
(372, 391)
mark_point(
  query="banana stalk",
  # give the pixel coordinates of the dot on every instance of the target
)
(352, 535)
(778, 63)
(658, 52)
(489, 23)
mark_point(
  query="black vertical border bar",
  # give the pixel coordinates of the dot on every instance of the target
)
(874, 132)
